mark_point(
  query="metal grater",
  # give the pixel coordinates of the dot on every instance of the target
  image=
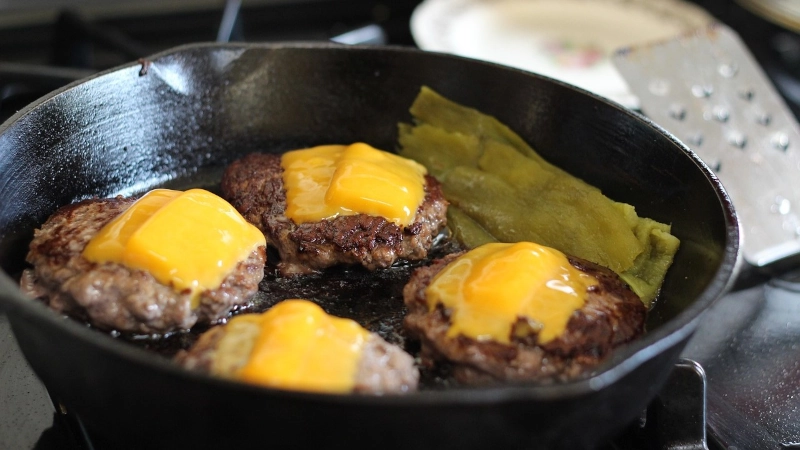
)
(707, 90)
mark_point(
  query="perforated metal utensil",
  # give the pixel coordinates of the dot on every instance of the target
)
(708, 90)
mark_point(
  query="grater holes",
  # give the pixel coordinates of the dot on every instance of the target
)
(736, 139)
(677, 111)
(746, 94)
(763, 118)
(728, 70)
(702, 90)
(695, 139)
(780, 141)
(781, 205)
(720, 113)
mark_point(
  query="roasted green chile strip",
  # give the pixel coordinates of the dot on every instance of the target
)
(502, 190)
(465, 229)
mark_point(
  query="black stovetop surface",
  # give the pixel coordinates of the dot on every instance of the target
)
(747, 347)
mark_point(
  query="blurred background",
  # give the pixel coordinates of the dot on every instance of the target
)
(46, 42)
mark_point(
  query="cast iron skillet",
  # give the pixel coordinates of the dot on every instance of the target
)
(178, 119)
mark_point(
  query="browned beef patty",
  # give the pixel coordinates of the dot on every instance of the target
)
(112, 296)
(612, 316)
(254, 186)
(383, 369)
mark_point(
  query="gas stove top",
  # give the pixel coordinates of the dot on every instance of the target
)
(739, 386)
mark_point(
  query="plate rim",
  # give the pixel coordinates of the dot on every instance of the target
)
(431, 18)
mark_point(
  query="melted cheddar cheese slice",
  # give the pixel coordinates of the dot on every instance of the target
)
(300, 347)
(190, 240)
(332, 180)
(489, 289)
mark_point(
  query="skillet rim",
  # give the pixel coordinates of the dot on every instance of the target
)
(622, 361)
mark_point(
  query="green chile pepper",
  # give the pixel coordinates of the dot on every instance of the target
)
(500, 189)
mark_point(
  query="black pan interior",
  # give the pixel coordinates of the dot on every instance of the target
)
(182, 117)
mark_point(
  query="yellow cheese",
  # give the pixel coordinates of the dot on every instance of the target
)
(327, 181)
(109, 244)
(302, 348)
(491, 287)
(190, 240)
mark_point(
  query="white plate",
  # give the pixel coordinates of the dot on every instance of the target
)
(570, 40)
(783, 12)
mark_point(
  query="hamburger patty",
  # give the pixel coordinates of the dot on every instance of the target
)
(254, 186)
(384, 368)
(112, 296)
(611, 316)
